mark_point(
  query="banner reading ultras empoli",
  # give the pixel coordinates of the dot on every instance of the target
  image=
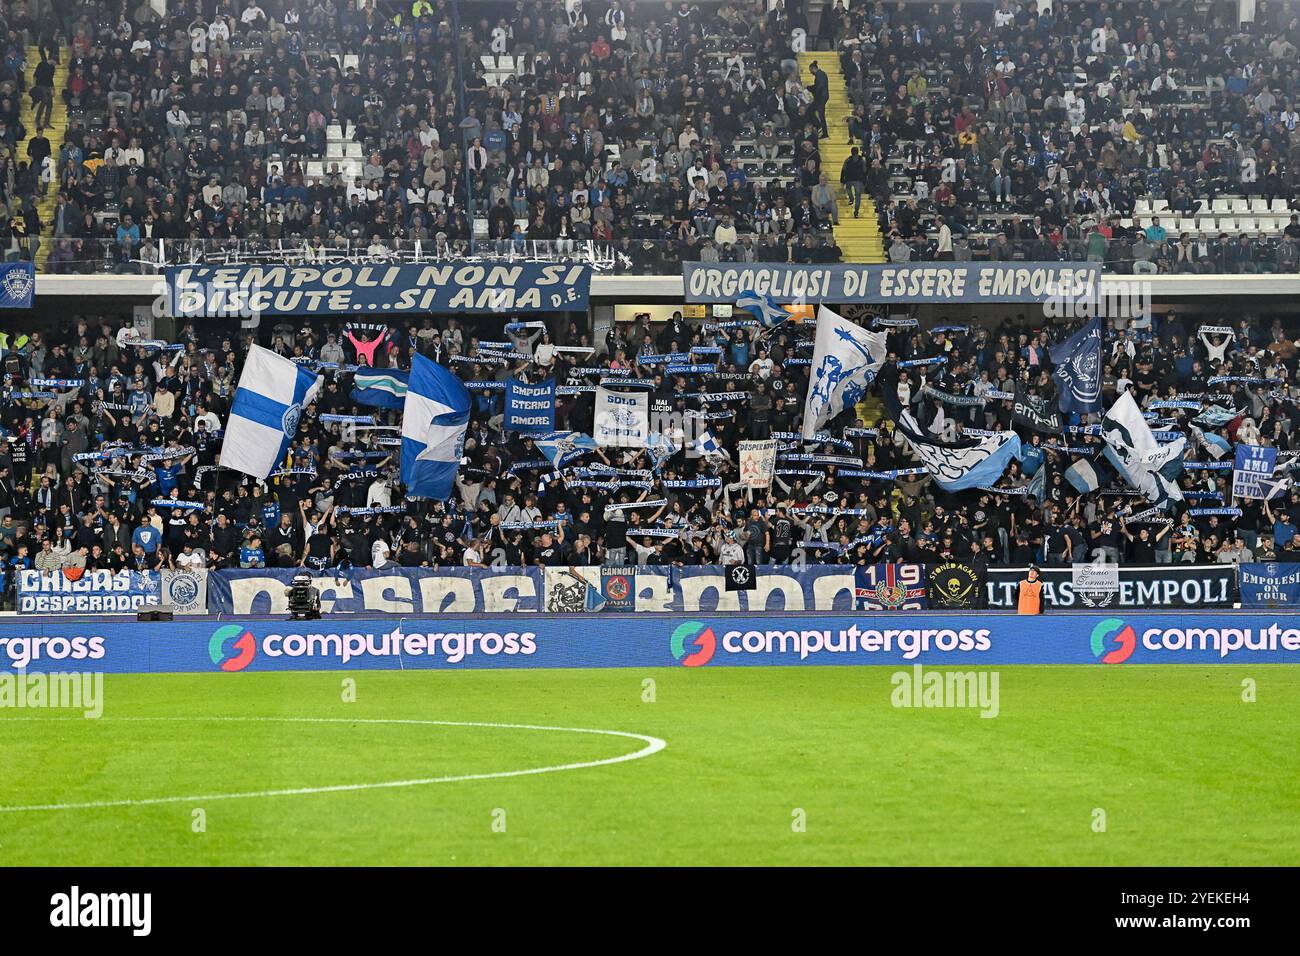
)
(197, 291)
(832, 588)
(460, 642)
(970, 282)
(108, 592)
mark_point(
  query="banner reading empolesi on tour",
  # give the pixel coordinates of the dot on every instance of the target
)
(940, 282)
(245, 291)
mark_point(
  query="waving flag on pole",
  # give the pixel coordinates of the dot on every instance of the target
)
(762, 307)
(380, 387)
(660, 448)
(1144, 463)
(264, 416)
(957, 465)
(1078, 370)
(1087, 475)
(434, 418)
(560, 448)
(846, 358)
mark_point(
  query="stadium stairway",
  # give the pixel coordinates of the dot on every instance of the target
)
(859, 239)
(54, 133)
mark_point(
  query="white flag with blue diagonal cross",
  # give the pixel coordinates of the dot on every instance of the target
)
(264, 416)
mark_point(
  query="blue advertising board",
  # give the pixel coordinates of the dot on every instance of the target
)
(376, 289)
(651, 640)
(937, 282)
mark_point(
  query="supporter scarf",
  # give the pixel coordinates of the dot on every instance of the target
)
(57, 382)
(178, 503)
(961, 401)
(690, 483)
(911, 363)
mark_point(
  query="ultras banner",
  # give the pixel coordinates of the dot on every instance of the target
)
(1157, 586)
(464, 642)
(376, 290)
(106, 592)
(1270, 584)
(937, 282)
(827, 587)
(510, 590)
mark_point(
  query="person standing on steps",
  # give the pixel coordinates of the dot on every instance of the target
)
(853, 174)
(43, 92)
(821, 91)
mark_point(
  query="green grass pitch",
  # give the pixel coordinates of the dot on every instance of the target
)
(1185, 771)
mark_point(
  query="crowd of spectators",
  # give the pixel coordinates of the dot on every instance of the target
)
(659, 132)
(1156, 136)
(669, 130)
(101, 428)
(26, 152)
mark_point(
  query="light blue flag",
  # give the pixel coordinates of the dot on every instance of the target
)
(762, 307)
(434, 418)
(560, 448)
(380, 387)
(264, 416)
(1038, 485)
(1215, 444)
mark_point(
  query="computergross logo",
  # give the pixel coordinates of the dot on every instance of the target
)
(697, 635)
(244, 646)
(1113, 629)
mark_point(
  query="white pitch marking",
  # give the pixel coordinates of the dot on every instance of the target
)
(652, 746)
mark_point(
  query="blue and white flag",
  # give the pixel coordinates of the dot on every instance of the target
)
(763, 307)
(1252, 473)
(380, 387)
(264, 417)
(1215, 445)
(704, 445)
(1078, 370)
(962, 464)
(1144, 463)
(660, 448)
(434, 419)
(846, 358)
(1089, 475)
(560, 448)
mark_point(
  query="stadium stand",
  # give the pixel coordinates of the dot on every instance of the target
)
(85, 465)
(722, 132)
(1150, 136)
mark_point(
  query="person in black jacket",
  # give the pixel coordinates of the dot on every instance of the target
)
(853, 174)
